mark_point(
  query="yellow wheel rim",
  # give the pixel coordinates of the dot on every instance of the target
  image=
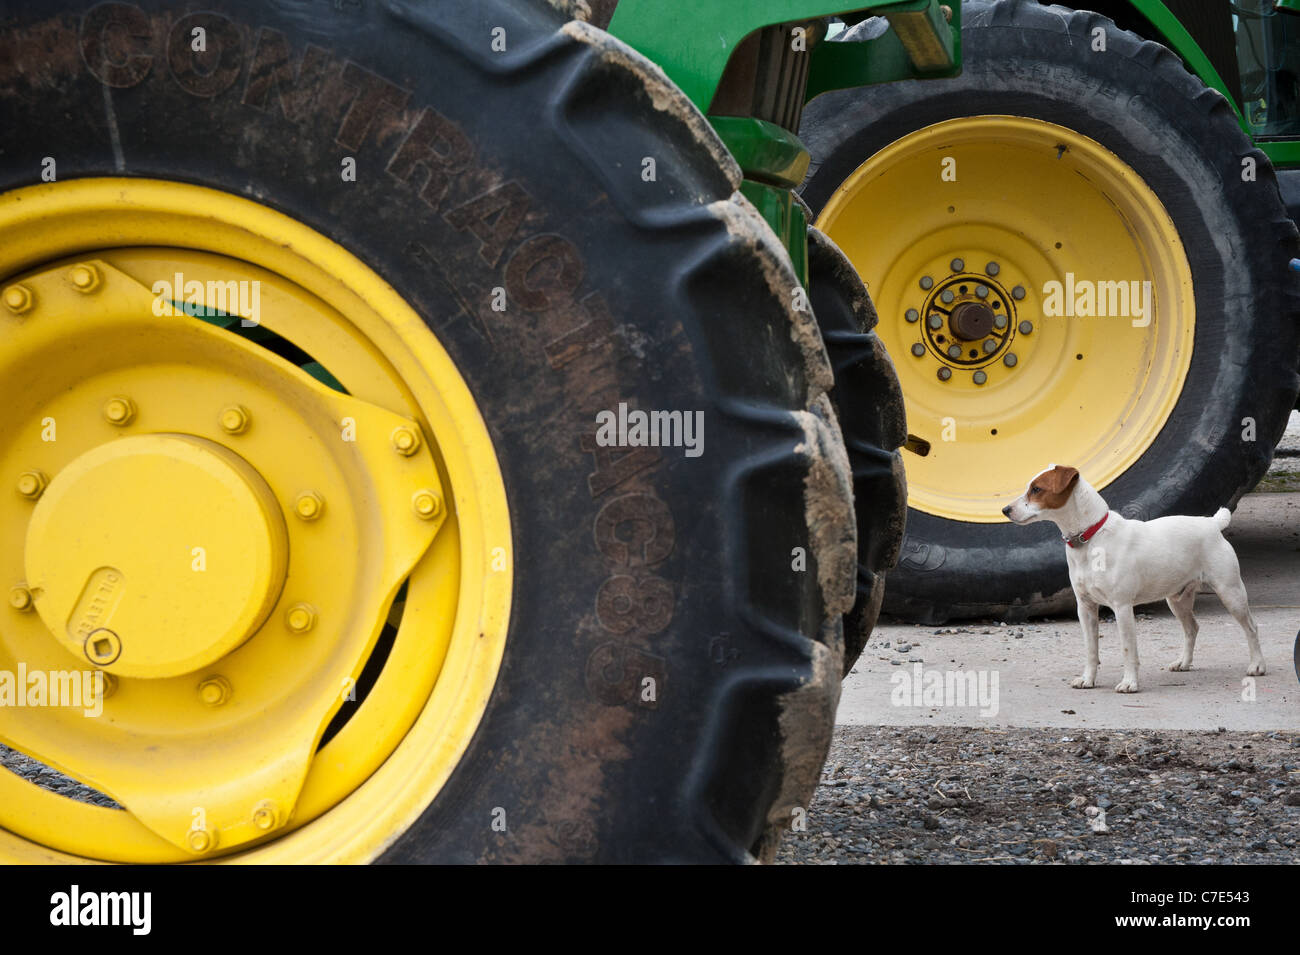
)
(224, 515)
(960, 231)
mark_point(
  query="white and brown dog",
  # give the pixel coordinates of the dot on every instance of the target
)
(1123, 563)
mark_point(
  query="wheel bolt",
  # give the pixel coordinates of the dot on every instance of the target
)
(990, 346)
(954, 351)
(918, 349)
(109, 685)
(200, 840)
(957, 265)
(1026, 327)
(266, 815)
(406, 441)
(992, 269)
(999, 321)
(1010, 359)
(927, 283)
(1018, 292)
(119, 410)
(32, 484)
(300, 618)
(235, 419)
(945, 373)
(18, 298)
(982, 291)
(979, 377)
(85, 278)
(946, 296)
(912, 315)
(309, 506)
(214, 691)
(427, 505)
(21, 599)
(935, 321)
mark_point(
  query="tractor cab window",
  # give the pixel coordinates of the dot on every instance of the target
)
(1268, 54)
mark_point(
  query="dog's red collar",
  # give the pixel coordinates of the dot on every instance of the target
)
(1086, 535)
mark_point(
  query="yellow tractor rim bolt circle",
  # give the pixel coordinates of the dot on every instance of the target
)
(20, 598)
(119, 410)
(31, 484)
(214, 691)
(201, 840)
(85, 278)
(309, 506)
(266, 815)
(235, 419)
(406, 441)
(300, 618)
(427, 505)
(18, 299)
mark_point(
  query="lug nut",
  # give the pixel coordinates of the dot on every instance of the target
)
(979, 377)
(300, 618)
(1018, 292)
(200, 840)
(406, 441)
(954, 351)
(18, 298)
(109, 684)
(85, 277)
(945, 373)
(946, 296)
(21, 599)
(119, 410)
(1010, 359)
(427, 505)
(992, 269)
(32, 484)
(999, 321)
(1026, 327)
(927, 283)
(912, 315)
(309, 506)
(214, 691)
(990, 346)
(918, 349)
(935, 321)
(957, 265)
(982, 291)
(235, 419)
(266, 815)
(102, 647)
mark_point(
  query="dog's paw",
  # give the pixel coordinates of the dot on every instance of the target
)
(1126, 686)
(1180, 664)
(1083, 682)
(1256, 669)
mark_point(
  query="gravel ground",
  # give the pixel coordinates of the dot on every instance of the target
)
(962, 794)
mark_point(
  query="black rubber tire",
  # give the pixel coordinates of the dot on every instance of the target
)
(1030, 60)
(869, 404)
(745, 649)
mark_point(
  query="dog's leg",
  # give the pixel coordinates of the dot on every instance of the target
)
(1181, 604)
(1088, 622)
(1128, 640)
(1233, 595)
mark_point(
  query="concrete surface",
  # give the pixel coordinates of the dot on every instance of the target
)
(1032, 663)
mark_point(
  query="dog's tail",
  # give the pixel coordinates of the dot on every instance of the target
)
(1221, 518)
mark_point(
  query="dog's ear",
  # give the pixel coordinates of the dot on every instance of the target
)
(1059, 485)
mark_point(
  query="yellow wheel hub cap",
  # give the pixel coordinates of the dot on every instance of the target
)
(1034, 295)
(156, 610)
(254, 505)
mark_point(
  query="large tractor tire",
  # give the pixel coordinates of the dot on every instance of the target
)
(371, 574)
(1051, 160)
(869, 406)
